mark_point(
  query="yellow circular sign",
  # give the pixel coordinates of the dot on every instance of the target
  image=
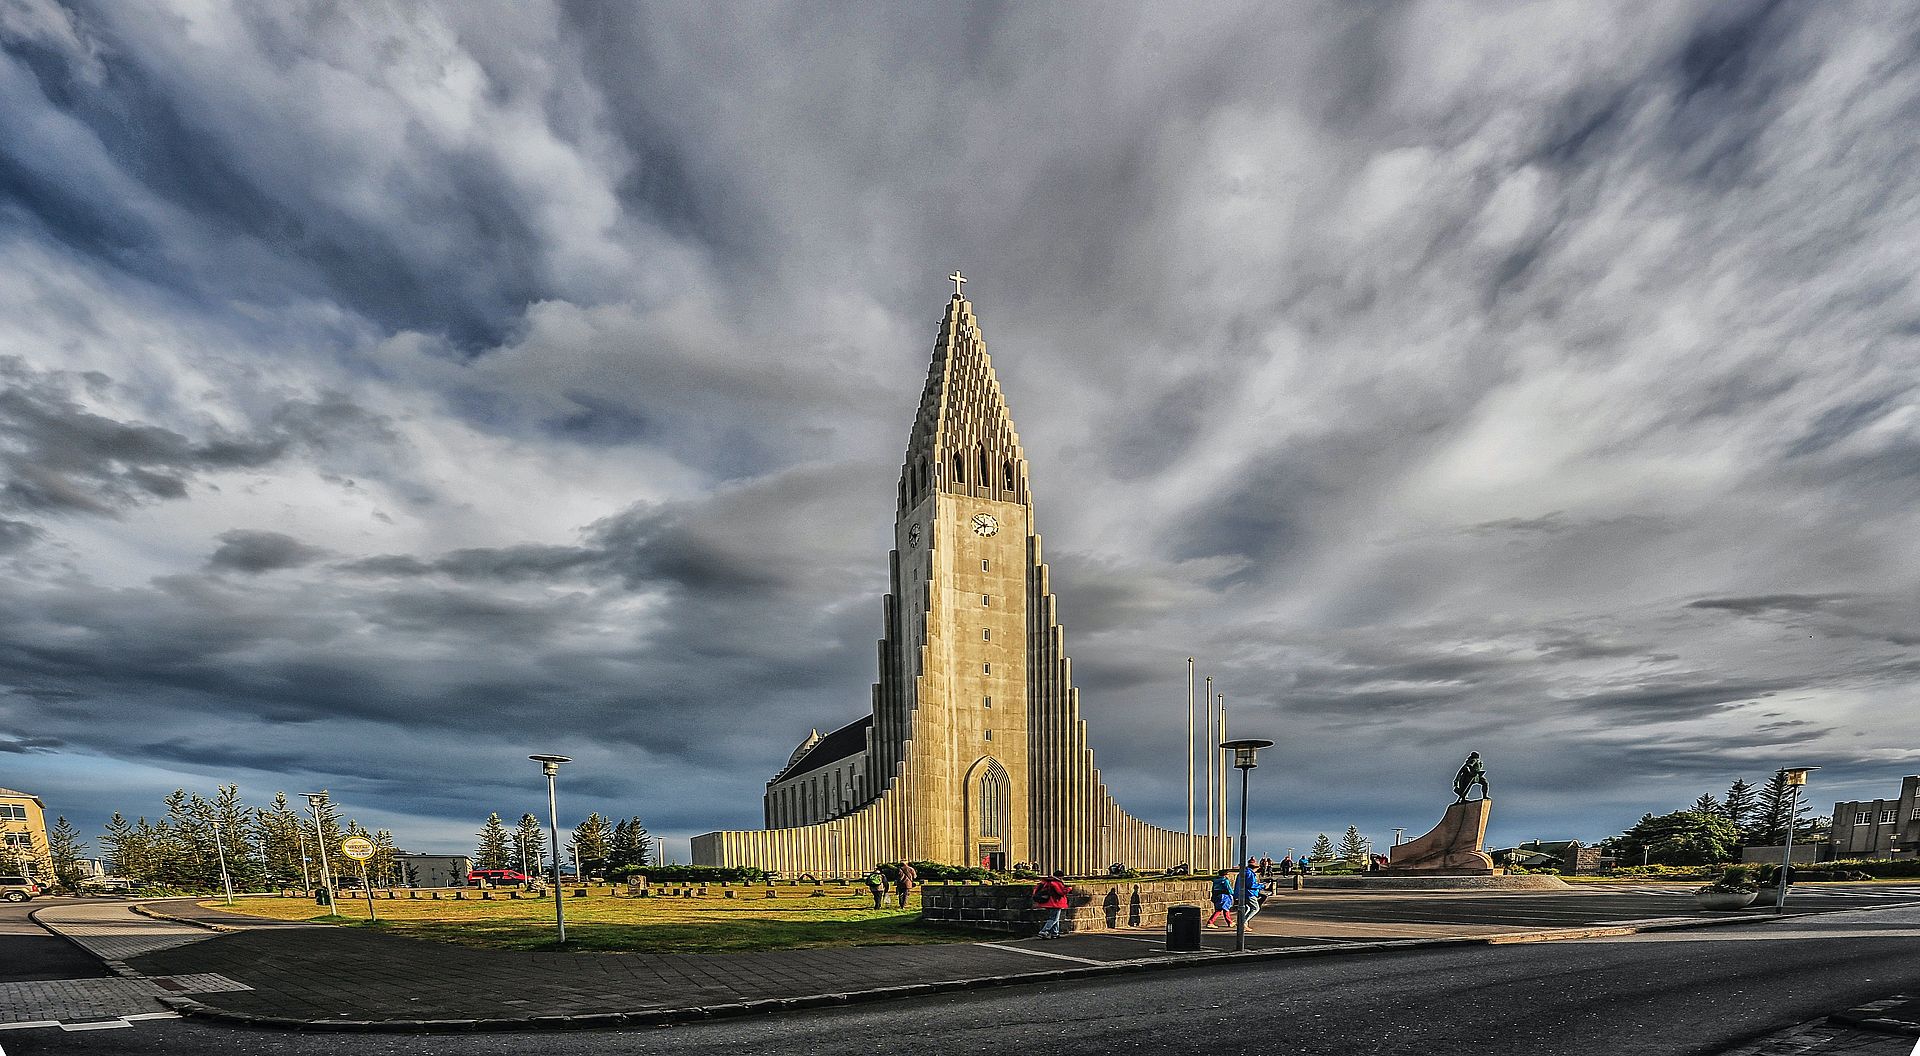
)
(358, 848)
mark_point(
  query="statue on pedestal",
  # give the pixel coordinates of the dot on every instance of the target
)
(1471, 773)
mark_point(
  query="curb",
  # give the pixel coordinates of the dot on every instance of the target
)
(1869, 1017)
(146, 909)
(118, 968)
(659, 1017)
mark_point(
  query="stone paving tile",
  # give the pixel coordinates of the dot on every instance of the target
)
(114, 933)
(69, 999)
(1821, 1038)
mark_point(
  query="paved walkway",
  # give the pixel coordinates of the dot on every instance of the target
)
(320, 976)
(112, 933)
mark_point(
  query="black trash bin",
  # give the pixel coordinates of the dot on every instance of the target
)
(322, 896)
(1183, 929)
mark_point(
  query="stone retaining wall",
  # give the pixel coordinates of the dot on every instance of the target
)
(1092, 905)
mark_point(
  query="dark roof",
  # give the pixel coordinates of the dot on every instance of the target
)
(832, 748)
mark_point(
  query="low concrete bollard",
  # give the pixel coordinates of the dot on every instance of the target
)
(436, 896)
(412, 894)
(727, 893)
(818, 892)
(771, 893)
(579, 892)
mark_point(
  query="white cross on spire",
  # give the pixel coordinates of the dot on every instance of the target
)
(957, 280)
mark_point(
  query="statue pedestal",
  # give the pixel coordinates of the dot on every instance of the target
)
(1453, 848)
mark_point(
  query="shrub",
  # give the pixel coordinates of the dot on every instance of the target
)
(698, 874)
(1736, 878)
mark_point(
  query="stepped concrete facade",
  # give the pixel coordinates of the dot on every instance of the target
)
(976, 750)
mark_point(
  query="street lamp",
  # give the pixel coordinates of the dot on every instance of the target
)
(226, 881)
(1244, 750)
(550, 765)
(1796, 779)
(315, 801)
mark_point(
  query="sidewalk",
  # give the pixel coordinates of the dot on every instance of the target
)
(269, 973)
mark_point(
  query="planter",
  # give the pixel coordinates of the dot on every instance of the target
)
(1712, 898)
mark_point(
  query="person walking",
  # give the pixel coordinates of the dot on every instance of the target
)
(1222, 895)
(903, 882)
(1050, 894)
(877, 887)
(1248, 889)
(1286, 866)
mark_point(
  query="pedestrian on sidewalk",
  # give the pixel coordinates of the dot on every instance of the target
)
(1248, 889)
(1222, 899)
(1051, 895)
(877, 887)
(903, 882)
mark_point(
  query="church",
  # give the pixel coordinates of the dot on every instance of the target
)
(975, 751)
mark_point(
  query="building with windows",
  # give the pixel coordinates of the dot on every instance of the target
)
(23, 831)
(1883, 828)
(975, 749)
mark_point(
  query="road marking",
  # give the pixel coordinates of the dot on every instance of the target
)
(105, 1024)
(1038, 953)
(30, 1023)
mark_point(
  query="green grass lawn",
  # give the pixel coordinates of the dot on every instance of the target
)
(749, 921)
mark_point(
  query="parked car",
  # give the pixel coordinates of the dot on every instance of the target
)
(18, 889)
(497, 878)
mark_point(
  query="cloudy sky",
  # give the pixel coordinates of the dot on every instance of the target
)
(389, 392)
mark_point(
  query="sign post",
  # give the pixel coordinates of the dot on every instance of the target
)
(359, 848)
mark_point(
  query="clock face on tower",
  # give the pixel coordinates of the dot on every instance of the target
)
(913, 536)
(984, 524)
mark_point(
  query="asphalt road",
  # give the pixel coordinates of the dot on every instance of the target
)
(1678, 992)
(28, 952)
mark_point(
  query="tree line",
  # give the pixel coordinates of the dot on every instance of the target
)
(600, 847)
(1713, 829)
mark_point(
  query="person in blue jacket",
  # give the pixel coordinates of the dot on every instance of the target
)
(1248, 889)
(1222, 900)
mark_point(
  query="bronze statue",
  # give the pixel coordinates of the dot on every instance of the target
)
(1471, 773)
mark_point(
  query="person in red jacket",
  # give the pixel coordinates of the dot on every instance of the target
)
(1051, 895)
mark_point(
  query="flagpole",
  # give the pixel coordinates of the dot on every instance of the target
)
(1213, 851)
(1190, 746)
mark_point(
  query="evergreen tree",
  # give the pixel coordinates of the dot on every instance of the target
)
(1322, 849)
(591, 841)
(530, 846)
(1352, 847)
(125, 849)
(1772, 817)
(1684, 837)
(1739, 805)
(1706, 804)
(239, 836)
(283, 844)
(492, 852)
(65, 848)
(385, 864)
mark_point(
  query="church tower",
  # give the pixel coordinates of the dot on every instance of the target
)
(975, 752)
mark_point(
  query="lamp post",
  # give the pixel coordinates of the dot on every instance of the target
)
(1244, 750)
(1796, 780)
(306, 877)
(220, 852)
(316, 801)
(550, 765)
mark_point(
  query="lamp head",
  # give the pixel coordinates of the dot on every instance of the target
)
(314, 799)
(1244, 750)
(1797, 775)
(550, 764)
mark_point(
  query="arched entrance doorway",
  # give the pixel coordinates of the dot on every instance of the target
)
(989, 814)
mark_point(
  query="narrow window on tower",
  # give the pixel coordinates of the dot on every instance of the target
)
(1006, 470)
(959, 470)
(986, 669)
(986, 600)
(986, 634)
(986, 477)
(983, 564)
(989, 735)
(986, 702)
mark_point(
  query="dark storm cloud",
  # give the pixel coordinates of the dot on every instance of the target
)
(1438, 391)
(249, 551)
(58, 457)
